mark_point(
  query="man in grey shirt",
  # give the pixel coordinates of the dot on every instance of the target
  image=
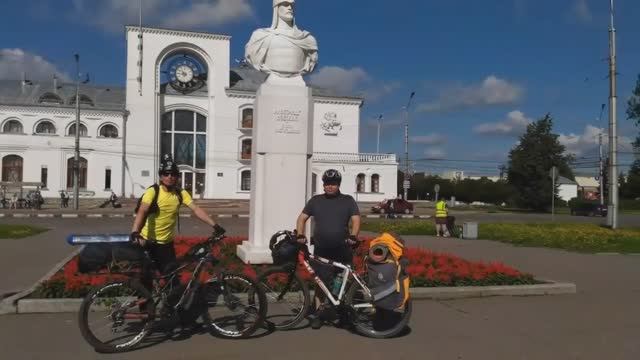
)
(332, 212)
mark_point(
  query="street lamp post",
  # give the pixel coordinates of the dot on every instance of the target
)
(76, 162)
(612, 218)
(407, 183)
(378, 141)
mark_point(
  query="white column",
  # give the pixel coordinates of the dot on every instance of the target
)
(281, 166)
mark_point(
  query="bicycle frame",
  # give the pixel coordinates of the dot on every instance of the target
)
(347, 272)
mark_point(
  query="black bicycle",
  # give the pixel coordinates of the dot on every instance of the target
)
(119, 315)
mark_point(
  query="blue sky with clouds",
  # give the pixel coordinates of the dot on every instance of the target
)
(481, 70)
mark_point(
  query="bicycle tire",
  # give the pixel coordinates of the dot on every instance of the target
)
(283, 313)
(114, 291)
(401, 318)
(214, 289)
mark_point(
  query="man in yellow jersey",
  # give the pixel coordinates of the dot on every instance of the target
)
(155, 222)
(441, 218)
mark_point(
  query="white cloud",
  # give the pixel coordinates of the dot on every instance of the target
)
(112, 15)
(581, 12)
(434, 153)
(433, 139)
(492, 91)
(214, 13)
(587, 142)
(515, 125)
(341, 80)
(13, 62)
(375, 93)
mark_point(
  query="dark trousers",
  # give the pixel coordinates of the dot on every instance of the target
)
(164, 257)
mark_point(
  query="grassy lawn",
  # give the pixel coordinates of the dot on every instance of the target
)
(575, 237)
(19, 231)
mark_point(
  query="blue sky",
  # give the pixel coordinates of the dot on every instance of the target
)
(481, 70)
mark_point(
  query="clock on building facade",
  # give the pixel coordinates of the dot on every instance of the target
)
(186, 73)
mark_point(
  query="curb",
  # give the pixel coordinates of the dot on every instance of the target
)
(462, 292)
(10, 305)
(38, 306)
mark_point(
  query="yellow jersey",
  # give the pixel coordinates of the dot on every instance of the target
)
(160, 226)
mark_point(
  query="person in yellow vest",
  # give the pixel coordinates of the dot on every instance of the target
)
(441, 218)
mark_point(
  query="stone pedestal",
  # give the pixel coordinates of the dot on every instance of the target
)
(281, 163)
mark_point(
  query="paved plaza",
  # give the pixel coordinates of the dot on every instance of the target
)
(600, 321)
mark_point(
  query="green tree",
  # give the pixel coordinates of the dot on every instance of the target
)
(633, 106)
(631, 188)
(530, 162)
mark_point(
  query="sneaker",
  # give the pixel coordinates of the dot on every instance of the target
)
(315, 321)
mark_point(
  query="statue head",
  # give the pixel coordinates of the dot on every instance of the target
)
(283, 10)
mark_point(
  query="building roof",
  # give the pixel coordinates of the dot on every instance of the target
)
(32, 93)
(42, 93)
(246, 78)
(564, 181)
(587, 181)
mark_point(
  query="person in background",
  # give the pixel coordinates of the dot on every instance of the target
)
(441, 218)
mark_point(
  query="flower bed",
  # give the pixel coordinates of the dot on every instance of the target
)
(426, 268)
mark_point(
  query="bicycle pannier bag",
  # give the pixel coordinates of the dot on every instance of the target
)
(387, 279)
(95, 257)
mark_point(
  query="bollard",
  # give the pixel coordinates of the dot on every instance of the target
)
(470, 230)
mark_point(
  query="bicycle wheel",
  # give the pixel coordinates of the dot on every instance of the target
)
(372, 321)
(287, 297)
(116, 316)
(236, 306)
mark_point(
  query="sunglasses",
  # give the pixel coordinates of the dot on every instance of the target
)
(170, 174)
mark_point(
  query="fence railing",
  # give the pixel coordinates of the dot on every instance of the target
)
(355, 157)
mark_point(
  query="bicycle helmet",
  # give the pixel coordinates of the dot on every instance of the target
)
(332, 176)
(284, 248)
(167, 165)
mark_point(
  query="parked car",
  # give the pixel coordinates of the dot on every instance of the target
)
(588, 209)
(393, 206)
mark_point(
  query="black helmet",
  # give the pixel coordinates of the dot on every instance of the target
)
(284, 248)
(332, 176)
(167, 165)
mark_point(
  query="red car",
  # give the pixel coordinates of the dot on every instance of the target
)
(393, 206)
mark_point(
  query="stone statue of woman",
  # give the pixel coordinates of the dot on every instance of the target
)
(282, 49)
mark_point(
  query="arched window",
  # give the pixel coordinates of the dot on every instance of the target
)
(45, 127)
(109, 131)
(82, 176)
(245, 180)
(245, 153)
(51, 98)
(83, 130)
(247, 118)
(183, 133)
(375, 183)
(12, 168)
(84, 100)
(12, 127)
(360, 183)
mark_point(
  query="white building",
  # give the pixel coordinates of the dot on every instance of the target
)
(184, 99)
(567, 188)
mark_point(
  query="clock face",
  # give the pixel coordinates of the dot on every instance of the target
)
(186, 74)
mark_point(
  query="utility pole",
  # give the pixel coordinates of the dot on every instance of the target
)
(612, 218)
(601, 173)
(378, 141)
(407, 183)
(76, 162)
(125, 117)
